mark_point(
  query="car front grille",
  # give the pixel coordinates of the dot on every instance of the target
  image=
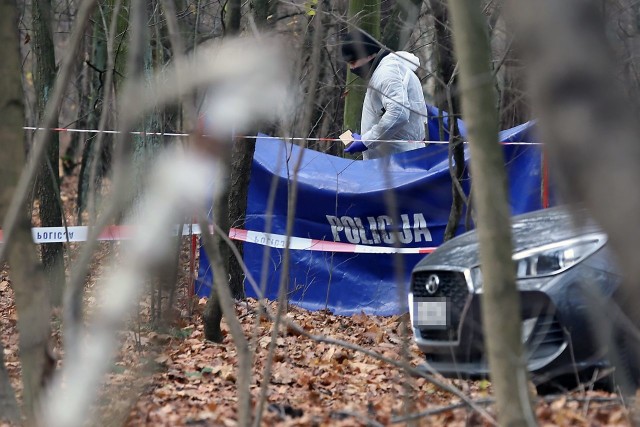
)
(547, 337)
(453, 287)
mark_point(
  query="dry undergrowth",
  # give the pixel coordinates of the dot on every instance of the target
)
(166, 374)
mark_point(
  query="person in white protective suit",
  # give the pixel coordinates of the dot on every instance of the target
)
(394, 108)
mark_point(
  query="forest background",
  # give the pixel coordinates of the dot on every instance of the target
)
(146, 66)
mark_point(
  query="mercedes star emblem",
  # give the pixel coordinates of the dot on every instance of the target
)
(432, 284)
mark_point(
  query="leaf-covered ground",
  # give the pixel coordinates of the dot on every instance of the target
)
(178, 378)
(172, 376)
(321, 384)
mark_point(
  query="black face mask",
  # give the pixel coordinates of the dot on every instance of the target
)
(363, 71)
(366, 70)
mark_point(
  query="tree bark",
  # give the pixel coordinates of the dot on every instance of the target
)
(28, 280)
(514, 106)
(447, 100)
(292, 199)
(11, 121)
(97, 68)
(33, 305)
(212, 316)
(48, 182)
(38, 150)
(363, 14)
(230, 209)
(241, 162)
(238, 190)
(228, 308)
(32, 298)
(232, 20)
(500, 298)
(400, 25)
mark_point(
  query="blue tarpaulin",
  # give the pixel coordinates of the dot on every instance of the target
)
(344, 200)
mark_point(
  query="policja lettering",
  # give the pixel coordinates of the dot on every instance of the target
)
(55, 236)
(379, 229)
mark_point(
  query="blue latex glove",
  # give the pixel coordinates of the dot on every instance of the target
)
(357, 146)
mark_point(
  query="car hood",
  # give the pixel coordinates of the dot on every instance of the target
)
(528, 231)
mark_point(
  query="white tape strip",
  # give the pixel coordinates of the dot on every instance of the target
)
(81, 233)
(279, 138)
(120, 232)
(301, 243)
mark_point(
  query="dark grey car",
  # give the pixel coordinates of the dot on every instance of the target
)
(563, 266)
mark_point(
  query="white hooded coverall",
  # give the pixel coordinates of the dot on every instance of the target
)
(394, 107)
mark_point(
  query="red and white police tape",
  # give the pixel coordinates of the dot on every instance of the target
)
(301, 243)
(278, 138)
(120, 232)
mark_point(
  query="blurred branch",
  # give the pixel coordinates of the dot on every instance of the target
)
(228, 308)
(11, 156)
(283, 286)
(178, 53)
(177, 182)
(588, 120)
(400, 25)
(106, 107)
(74, 292)
(73, 298)
(500, 304)
(9, 410)
(186, 186)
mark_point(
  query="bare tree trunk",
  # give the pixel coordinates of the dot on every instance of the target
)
(212, 316)
(146, 146)
(363, 14)
(232, 20)
(331, 106)
(241, 162)
(447, 100)
(238, 191)
(32, 297)
(11, 121)
(28, 280)
(93, 102)
(514, 107)
(48, 183)
(403, 19)
(242, 345)
(500, 298)
(38, 151)
(97, 150)
(231, 208)
(292, 198)
(33, 305)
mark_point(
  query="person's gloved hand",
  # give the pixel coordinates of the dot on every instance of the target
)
(357, 146)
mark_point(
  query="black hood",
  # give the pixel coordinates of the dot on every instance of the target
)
(357, 45)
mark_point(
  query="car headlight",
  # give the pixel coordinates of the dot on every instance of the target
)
(549, 259)
(556, 257)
